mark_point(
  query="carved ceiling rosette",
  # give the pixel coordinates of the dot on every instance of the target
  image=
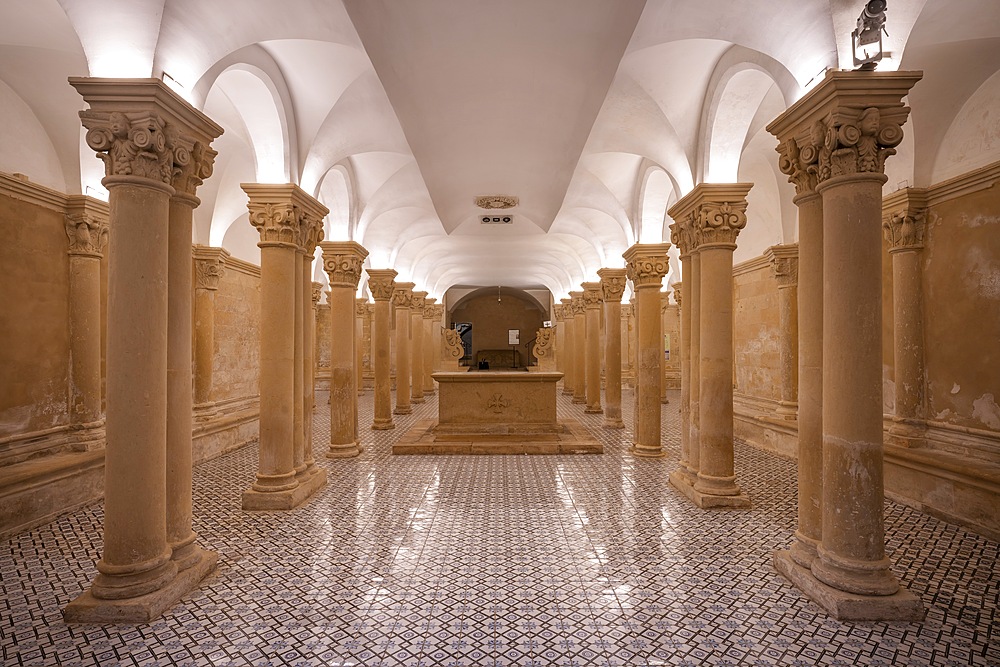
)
(88, 234)
(613, 284)
(130, 144)
(380, 283)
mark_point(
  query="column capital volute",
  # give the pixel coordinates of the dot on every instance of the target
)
(647, 264)
(627, 311)
(576, 303)
(679, 294)
(86, 226)
(784, 261)
(417, 302)
(613, 284)
(664, 300)
(402, 295)
(847, 125)
(209, 266)
(714, 212)
(360, 307)
(317, 293)
(682, 235)
(904, 219)
(430, 307)
(143, 130)
(593, 296)
(557, 312)
(380, 283)
(342, 261)
(285, 215)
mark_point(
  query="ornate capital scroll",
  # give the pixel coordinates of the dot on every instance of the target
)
(592, 296)
(714, 212)
(544, 342)
(86, 228)
(682, 235)
(380, 283)
(858, 141)
(613, 284)
(193, 161)
(627, 311)
(784, 261)
(576, 303)
(417, 303)
(402, 296)
(209, 266)
(360, 308)
(284, 214)
(453, 348)
(678, 292)
(276, 223)
(342, 262)
(647, 264)
(317, 293)
(130, 144)
(430, 308)
(311, 232)
(904, 219)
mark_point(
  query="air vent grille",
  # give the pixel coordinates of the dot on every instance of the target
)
(497, 219)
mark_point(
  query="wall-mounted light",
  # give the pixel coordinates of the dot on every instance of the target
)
(871, 25)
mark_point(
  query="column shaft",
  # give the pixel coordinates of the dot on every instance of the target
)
(298, 404)
(569, 352)
(380, 282)
(592, 361)
(579, 350)
(613, 287)
(343, 384)
(417, 348)
(204, 344)
(685, 408)
(694, 401)
(402, 297)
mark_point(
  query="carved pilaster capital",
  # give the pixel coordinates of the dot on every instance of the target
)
(342, 262)
(452, 341)
(682, 235)
(593, 296)
(311, 232)
(613, 284)
(284, 214)
(209, 266)
(317, 293)
(544, 342)
(904, 219)
(577, 304)
(380, 283)
(627, 311)
(859, 140)
(360, 308)
(402, 296)
(784, 261)
(647, 264)
(86, 226)
(715, 212)
(678, 294)
(417, 303)
(130, 144)
(430, 308)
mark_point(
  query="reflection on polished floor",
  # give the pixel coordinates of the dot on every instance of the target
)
(501, 560)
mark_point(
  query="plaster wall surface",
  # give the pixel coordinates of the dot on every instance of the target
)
(237, 327)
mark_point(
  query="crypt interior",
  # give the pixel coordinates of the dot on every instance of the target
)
(576, 332)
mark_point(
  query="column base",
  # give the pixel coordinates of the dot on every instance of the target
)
(416, 399)
(145, 608)
(647, 451)
(613, 422)
(567, 392)
(256, 501)
(705, 501)
(344, 451)
(682, 477)
(901, 606)
(590, 410)
(579, 401)
(403, 410)
(383, 425)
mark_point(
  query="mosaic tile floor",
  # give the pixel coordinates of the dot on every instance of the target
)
(501, 560)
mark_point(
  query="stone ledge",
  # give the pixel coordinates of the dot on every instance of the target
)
(256, 501)
(145, 608)
(706, 501)
(422, 439)
(843, 606)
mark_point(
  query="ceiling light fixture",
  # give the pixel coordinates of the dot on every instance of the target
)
(871, 25)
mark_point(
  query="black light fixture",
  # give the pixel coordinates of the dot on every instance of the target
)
(871, 25)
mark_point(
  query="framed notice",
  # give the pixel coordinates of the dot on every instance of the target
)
(513, 336)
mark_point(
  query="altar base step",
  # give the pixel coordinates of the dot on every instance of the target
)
(569, 438)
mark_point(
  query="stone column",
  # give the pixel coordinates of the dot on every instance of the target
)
(209, 267)
(903, 226)
(312, 234)
(312, 347)
(592, 301)
(417, 347)
(559, 344)
(840, 133)
(579, 347)
(193, 162)
(432, 315)
(152, 143)
(279, 212)
(342, 262)
(785, 267)
(716, 213)
(628, 342)
(646, 266)
(569, 354)
(613, 287)
(664, 312)
(87, 229)
(381, 285)
(402, 298)
(360, 312)
(683, 236)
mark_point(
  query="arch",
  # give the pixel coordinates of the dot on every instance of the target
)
(655, 190)
(514, 292)
(972, 140)
(738, 86)
(336, 190)
(25, 146)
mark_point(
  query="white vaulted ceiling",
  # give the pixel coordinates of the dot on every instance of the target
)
(597, 114)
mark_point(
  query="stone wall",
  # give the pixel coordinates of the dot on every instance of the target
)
(491, 321)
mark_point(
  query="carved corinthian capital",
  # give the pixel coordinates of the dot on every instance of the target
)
(342, 262)
(716, 212)
(647, 264)
(130, 144)
(904, 217)
(193, 161)
(402, 296)
(380, 283)
(784, 261)
(209, 266)
(576, 303)
(276, 223)
(613, 284)
(592, 296)
(417, 303)
(360, 308)
(317, 293)
(87, 227)
(682, 235)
